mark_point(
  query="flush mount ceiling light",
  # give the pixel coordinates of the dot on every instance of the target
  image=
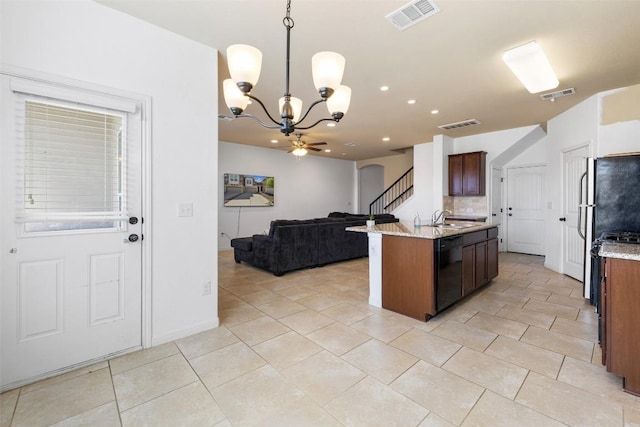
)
(530, 65)
(245, 63)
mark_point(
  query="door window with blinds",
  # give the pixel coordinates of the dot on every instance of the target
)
(71, 166)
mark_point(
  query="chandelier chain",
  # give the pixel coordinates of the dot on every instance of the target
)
(288, 20)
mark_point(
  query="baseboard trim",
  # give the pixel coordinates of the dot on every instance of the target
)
(181, 333)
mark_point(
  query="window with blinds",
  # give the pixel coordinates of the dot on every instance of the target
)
(70, 166)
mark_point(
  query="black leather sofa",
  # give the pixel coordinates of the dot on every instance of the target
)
(296, 244)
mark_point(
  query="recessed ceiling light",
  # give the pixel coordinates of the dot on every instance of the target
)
(435, 111)
(384, 88)
(386, 138)
(331, 125)
(274, 141)
(327, 150)
(411, 101)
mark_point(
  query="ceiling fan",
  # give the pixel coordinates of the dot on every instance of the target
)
(299, 147)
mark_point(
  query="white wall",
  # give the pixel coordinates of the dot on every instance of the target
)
(534, 155)
(423, 184)
(573, 128)
(394, 166)
(619, 121)
(307, 187)
(370, 186)
(86, 41)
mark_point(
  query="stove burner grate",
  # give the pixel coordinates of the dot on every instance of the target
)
(620, 237)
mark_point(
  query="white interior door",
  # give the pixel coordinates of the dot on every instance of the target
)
(574, 165)
(71, 277)
(525, 209)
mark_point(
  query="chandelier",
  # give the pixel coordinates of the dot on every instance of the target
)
(245, 63)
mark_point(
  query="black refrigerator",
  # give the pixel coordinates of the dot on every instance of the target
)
(611, 204)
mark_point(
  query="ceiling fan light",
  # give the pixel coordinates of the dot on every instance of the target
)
(296, 106)
(340, 100)
(245, 63)
(531, 66)
(233, 96)
(327, 69)
(299, 152)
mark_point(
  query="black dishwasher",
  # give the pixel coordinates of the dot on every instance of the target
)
(449, 271)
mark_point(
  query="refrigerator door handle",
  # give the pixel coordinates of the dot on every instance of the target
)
(582, 235)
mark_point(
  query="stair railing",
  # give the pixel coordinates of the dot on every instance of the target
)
(393, 196)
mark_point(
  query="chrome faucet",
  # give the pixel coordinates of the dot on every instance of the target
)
(439, 217)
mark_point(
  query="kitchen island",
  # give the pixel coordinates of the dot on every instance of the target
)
(421, 271)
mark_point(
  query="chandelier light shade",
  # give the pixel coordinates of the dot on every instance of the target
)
(327, 69)
(531, 66)
(340, 100)
(245, 63)
(233, 96)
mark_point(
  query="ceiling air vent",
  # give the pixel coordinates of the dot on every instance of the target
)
(412, 13)
(551, 96)
(462, 124)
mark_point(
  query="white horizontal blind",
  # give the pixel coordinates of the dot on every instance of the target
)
(70, 165)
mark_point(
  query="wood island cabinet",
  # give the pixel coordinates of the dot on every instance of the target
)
(408, 276)
(621, 321)
(467, 174)
(479, 259)
(410, 271)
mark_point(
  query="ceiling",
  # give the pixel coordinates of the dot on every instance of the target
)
(450, 61)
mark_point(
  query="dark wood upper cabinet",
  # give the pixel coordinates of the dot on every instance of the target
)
(467, 174)
(455, 175)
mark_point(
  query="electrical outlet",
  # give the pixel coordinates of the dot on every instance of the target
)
(206, 288)
(185, 209)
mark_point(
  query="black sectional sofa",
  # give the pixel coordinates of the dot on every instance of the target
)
(296, 244)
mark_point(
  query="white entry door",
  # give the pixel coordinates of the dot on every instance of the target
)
(574, 165)
(525, 210)
(71, 277)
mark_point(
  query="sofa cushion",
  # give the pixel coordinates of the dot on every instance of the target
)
(357, 218)
(338, 214)
(328, 220)
(284, 222)
(384, 216)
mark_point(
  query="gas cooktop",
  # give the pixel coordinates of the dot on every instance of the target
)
(620, 237)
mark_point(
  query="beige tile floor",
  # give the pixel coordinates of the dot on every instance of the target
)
(306, 349)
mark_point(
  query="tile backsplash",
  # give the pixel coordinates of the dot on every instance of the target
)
(466, 205)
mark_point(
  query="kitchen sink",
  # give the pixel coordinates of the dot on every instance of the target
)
(453, 226)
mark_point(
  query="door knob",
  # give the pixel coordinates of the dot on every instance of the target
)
(563, 219)
(132, 238)
(510, 214)
(133, 220)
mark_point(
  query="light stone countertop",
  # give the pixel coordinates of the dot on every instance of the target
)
(425, 231)
(620, 250)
